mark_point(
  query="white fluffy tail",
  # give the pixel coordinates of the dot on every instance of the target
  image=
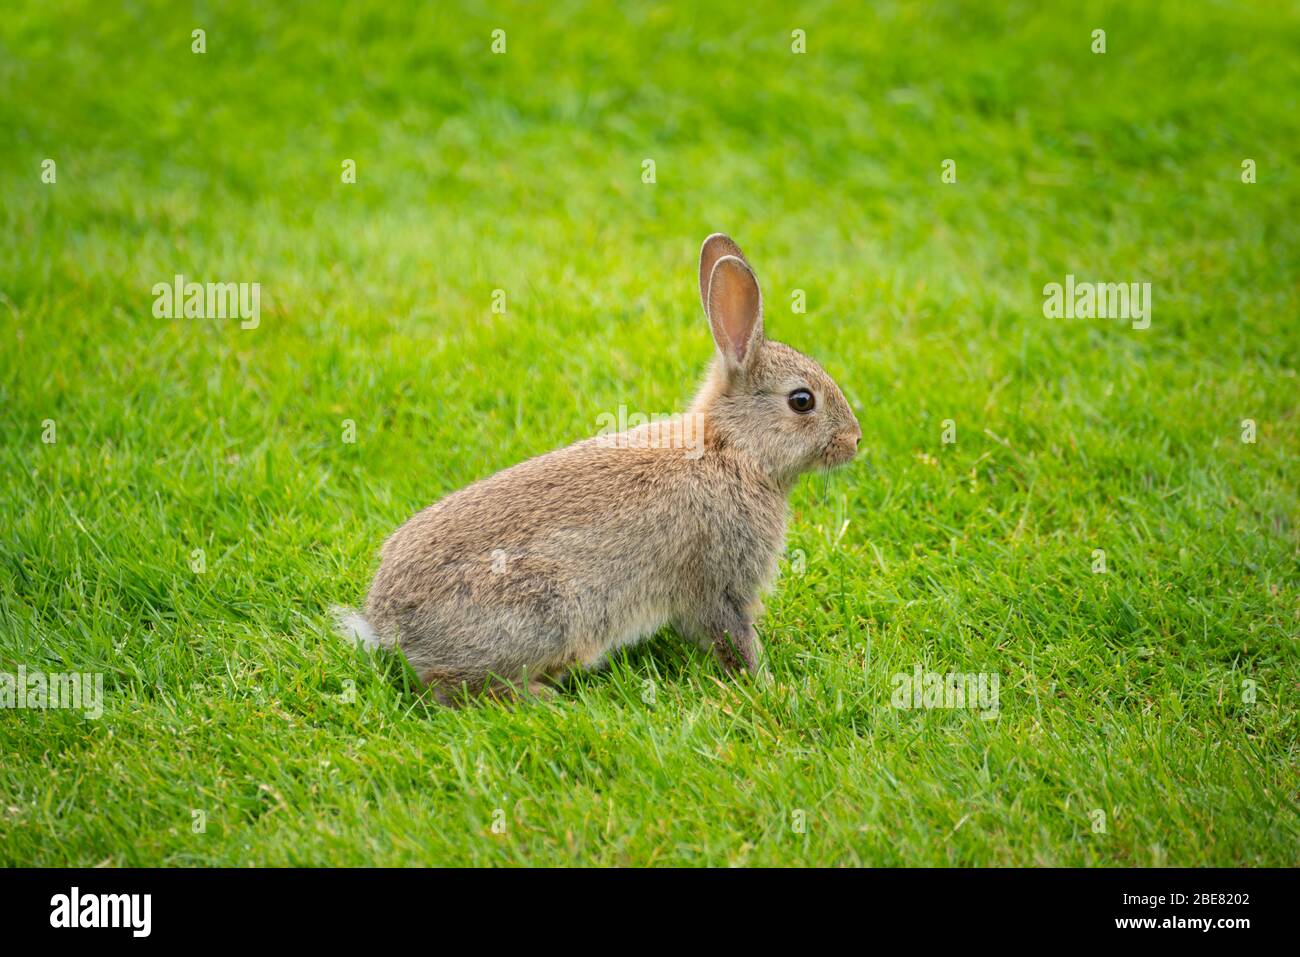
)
(353, 626)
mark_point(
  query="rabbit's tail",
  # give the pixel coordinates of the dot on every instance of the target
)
(352, 625)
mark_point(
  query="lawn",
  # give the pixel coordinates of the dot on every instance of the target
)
(184, 498)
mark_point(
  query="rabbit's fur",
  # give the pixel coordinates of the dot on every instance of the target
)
(558, 561)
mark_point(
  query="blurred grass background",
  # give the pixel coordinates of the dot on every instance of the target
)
(1121, 692)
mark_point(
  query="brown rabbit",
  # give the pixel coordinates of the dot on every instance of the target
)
(558, 561)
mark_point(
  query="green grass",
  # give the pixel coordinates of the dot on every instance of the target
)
(1122, 692)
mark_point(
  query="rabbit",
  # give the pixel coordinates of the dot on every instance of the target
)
(551, 565)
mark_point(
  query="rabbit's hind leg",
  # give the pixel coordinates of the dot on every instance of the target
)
(528, 689)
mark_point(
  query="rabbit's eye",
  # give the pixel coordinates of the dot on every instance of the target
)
(802, 401)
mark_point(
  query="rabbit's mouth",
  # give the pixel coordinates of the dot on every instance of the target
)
(837, 453)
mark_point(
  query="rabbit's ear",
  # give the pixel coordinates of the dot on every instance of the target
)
(714, 248)
(735, 308)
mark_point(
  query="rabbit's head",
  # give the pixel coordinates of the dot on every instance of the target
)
(764, 398)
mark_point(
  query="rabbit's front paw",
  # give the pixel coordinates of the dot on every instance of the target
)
(738, 649)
